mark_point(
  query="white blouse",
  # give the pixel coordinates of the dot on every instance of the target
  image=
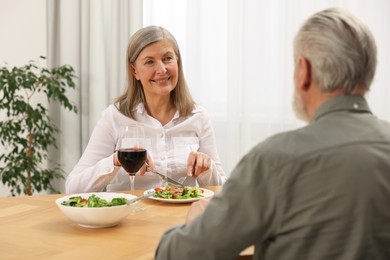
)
(168, 146)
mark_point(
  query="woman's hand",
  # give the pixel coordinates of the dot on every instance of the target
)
(148, 165)
(116, 161)
(197, 163)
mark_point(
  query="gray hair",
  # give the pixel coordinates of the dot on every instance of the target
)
(134, 94)
(340, 49)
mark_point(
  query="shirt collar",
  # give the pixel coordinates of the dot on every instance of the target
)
(355, 104)
(140, 109)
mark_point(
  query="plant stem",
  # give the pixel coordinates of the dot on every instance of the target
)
(29, 166)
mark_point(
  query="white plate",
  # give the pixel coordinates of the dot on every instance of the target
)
(206, 193)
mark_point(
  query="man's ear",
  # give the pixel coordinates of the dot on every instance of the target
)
(304, 74)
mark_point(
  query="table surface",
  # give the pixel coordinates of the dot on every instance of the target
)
(35, 228)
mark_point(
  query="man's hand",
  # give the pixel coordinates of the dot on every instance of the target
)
(197, 208)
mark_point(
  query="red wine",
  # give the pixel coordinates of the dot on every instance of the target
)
(132, 159)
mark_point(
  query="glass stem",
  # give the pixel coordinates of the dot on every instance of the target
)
(132, 184)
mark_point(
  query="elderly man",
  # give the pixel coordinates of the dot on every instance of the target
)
(319, 192)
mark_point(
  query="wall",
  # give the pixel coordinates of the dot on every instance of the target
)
(23, 36)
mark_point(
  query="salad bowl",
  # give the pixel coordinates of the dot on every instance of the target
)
(99, 216)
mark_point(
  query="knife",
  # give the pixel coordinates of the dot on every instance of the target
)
(169, 180)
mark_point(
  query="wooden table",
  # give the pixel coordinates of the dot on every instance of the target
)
(34, 228)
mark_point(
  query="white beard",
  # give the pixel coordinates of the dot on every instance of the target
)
(300, 108)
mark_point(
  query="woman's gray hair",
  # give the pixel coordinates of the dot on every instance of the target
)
(134, 94)
(340, 49)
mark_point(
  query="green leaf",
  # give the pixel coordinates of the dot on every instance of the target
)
(28, 132)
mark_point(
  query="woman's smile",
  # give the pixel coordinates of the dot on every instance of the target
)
(162, 81)
(157, 68)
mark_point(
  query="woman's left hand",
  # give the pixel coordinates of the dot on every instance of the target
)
(197, 163)
(148, 166)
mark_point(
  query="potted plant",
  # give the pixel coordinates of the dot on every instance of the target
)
(26, 129)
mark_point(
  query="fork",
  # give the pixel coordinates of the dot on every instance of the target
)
(190, 180)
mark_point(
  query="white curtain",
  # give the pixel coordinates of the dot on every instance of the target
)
(92, 36)
(237, 57)
(238, 61)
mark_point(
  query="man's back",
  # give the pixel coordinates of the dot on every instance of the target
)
(334, 186)
(320, 192)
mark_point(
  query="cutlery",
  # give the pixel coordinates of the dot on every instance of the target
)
(169, 180)
(146, 195)
(190, 181)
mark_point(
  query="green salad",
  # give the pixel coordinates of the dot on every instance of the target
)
(173, 192)
(93, 202)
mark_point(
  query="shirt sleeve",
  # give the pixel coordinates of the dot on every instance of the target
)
(95, 168)
(243, 213)
(208, 145)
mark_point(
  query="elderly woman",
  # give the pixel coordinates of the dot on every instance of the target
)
(180, 139)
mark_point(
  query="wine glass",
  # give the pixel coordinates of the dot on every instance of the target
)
(132, 152)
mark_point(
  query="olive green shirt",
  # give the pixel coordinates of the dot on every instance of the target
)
(319, 192)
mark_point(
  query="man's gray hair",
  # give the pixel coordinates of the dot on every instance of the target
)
(340, 49)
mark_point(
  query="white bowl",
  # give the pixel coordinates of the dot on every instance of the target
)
(97, 217)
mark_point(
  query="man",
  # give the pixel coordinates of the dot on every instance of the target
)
(319, 192)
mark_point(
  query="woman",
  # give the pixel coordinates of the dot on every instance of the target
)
(179, 135)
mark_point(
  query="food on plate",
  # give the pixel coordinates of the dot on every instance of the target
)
(93, 202)
(174, 192)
